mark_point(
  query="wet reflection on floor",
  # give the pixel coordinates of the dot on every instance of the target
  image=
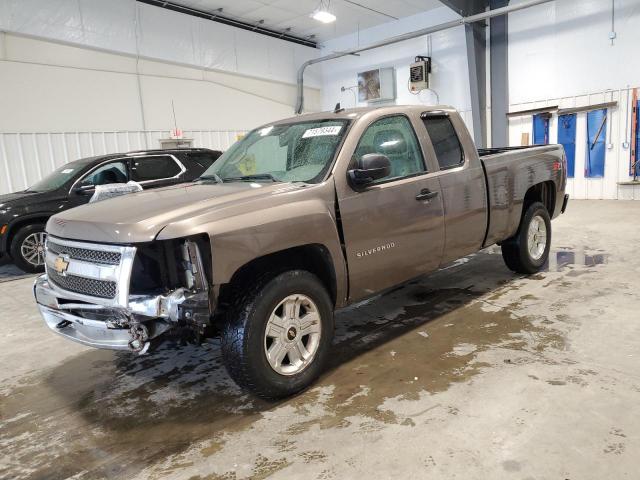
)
(105, 414)
(562, 257)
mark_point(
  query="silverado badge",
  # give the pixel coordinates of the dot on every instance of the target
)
(61, 264)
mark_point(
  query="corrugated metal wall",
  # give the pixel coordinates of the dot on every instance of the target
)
(613, 175)
(27, 157)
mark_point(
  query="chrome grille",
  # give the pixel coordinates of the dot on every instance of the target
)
(83, 286)
(84, 254)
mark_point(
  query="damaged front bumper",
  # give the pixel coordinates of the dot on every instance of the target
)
(131, 328)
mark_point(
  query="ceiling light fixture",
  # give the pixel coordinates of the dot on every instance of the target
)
(322, 13)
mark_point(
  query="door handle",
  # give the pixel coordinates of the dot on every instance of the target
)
(426, 194)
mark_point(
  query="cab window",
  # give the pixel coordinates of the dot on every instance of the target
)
(114, 172)
(395, 138)
(445, 141)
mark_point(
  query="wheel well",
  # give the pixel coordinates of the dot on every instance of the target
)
(313, 258)
(22, 223)
(545, 193)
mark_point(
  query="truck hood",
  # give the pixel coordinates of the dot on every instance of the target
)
(139, 217)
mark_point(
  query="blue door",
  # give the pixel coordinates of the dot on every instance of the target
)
(541, 129)
(596, 147)
(567, 137)
(637, 134)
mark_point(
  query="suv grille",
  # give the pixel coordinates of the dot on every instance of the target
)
(83, 286)
(93, 256)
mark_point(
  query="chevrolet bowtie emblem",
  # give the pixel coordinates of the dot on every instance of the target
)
(60, 265)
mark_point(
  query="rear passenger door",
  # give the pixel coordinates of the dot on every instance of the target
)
(462, 182)
(393, 230)
(153, 171)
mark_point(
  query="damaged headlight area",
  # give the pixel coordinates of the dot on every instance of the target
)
(122, 298)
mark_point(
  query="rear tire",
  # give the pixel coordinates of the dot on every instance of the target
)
(27, 248)
(278, 334)
(528, 250)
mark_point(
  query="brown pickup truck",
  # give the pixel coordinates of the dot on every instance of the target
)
(299, 218)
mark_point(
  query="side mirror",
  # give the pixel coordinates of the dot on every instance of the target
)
(85, 190)
(370, 167)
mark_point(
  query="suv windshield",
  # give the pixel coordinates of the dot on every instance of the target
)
(57, 178)
(294, 152)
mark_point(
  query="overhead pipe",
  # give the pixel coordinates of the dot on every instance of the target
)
(408, 36)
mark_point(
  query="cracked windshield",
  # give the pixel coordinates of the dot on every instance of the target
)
(295, 152)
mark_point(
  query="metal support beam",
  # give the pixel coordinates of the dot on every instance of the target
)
(477, 65)
(499, 71)
(465, 8)
(476, 42)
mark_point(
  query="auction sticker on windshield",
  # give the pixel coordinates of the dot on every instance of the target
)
(318, 132)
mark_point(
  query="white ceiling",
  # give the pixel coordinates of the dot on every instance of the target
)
(282, 14)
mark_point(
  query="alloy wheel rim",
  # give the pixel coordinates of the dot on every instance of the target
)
(537, 237)
(32, 249)
(292, 334)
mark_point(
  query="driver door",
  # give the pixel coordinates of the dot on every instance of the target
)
(393, 230)
(111, 172)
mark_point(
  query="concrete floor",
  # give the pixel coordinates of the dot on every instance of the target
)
(473, 372)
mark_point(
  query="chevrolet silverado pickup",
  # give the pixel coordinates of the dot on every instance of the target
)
(299, 218)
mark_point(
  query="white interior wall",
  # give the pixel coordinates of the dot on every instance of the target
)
(65, 102)
(560, 54)
(449, 68)
(136, 29)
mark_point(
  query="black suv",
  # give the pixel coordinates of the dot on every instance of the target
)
(23, 215)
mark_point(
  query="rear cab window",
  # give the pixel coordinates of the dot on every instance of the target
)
(444, 139)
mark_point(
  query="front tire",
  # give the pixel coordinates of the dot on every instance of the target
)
(528, 250)
(278, 334)
(27, 248)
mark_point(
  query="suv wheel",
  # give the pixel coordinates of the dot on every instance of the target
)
(528, 250)
(278, 334)
(27, 248)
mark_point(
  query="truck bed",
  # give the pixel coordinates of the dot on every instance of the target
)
(510, 171)
(483, 152)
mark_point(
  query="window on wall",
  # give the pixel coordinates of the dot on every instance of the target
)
(567, 138)
(596, 147)
(541, 129)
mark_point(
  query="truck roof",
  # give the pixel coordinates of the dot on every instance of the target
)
(357, 113)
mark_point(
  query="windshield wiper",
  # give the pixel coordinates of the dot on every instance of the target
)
(213, 176)
(256, 176)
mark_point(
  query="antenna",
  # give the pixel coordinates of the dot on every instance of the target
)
(338, 108)
(176, 133)
(175, 122)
